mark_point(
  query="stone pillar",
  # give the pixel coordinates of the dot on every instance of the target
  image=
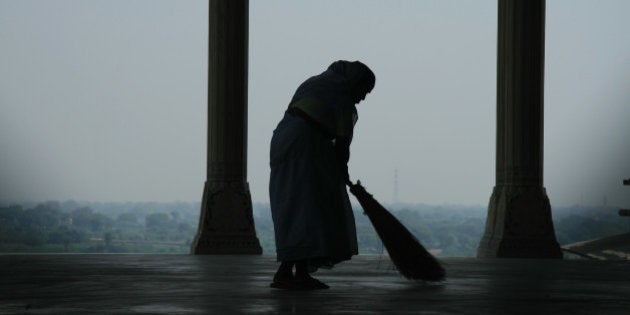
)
(519, 216)
(226, 225)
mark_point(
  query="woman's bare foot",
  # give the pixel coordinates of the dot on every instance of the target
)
(304, 281)
(283, 279)
(307, 282)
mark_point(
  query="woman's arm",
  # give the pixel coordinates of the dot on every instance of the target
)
(342, 151)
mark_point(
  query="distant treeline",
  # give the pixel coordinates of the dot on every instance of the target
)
(127, 228)
(71, 226)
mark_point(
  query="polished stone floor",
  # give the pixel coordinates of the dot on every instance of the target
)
(181, 284)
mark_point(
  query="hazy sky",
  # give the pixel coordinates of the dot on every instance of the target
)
(105, 100)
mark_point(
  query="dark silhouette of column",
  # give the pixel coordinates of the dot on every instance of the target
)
(519, 216)
(226, 225)
(625, 212)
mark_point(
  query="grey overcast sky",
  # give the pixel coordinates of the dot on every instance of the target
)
(105, 100)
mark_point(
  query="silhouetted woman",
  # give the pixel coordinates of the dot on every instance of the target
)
(313, 220)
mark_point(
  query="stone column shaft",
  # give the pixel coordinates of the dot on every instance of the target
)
(226, 225)
(519, 215)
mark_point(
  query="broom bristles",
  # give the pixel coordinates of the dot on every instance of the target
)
(411, 259)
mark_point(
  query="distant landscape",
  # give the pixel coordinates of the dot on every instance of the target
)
(151, 227)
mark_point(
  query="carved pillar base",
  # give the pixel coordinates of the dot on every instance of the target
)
(519, 225)
(226, 225)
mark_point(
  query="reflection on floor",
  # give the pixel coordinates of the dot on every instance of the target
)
(182, 284)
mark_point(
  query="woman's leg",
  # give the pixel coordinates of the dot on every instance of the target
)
(285, 272)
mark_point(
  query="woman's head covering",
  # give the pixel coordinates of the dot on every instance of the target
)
(358, 76)
(343, 83)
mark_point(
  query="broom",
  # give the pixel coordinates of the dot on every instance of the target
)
(411, 259)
